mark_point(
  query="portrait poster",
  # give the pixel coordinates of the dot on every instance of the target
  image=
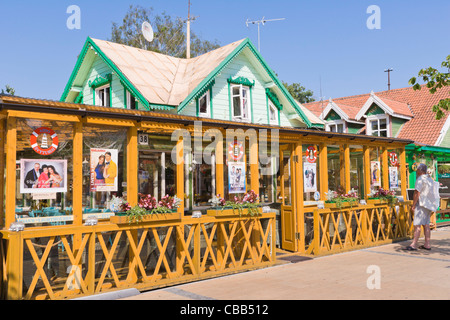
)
(104, 169)
(393, 177)
(236, 177)
(43, 176)
(310, 177)
(375, 174)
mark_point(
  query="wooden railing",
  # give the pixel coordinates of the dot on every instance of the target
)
(336, 230)
(69, 261)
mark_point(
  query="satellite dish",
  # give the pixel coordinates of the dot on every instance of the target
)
(147, 31)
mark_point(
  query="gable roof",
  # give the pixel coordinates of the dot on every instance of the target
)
(159, 80)
(407, 103)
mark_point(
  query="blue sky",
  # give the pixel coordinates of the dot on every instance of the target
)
(324, 44)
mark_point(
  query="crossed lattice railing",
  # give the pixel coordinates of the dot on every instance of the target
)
(335, 230)
(69, 261)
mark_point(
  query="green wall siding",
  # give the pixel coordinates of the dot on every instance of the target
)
(396, 125)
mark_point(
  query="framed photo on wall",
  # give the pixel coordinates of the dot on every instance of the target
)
(43, 176)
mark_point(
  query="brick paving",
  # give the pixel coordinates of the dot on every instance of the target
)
(421, 274)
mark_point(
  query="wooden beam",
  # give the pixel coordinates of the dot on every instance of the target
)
(254, 167)
(220, 188)
(110, 122)
(385, 166)
(41, 115)
(2, 169)
(297, 178)
(10, 187)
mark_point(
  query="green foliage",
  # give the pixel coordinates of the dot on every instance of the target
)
(9, 90)
(169, 34)
(136, 214)
(435, 80)
(299, 92)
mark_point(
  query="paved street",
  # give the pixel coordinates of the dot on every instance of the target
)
(404, 275)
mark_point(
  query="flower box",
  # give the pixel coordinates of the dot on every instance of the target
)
(380, 201)
(230, 212)
(344, 204)
(122, 218)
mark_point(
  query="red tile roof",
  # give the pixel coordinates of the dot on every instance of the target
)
(422, 128)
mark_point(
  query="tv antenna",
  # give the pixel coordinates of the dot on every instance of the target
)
(188, 31)
(259, 22)
(389, 77)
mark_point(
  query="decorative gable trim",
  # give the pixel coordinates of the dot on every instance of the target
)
(273, 97)
(242, 80)
(373, 99)
(100, 81)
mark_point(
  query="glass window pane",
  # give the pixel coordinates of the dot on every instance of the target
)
(203, 104)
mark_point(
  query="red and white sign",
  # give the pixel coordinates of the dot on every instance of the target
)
(311, 154)
(47, 146)
(235, 151)
(393, 158)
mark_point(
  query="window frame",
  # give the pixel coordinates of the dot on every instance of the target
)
(378, 118)
(241, 118)
(97, 95)
(336, 123)
(128, 97)
(206, 114)
(275, 112)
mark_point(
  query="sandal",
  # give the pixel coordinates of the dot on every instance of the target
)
(409, 248)
(423, 247)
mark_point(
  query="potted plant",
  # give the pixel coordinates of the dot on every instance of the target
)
(340, 200)
(382, 196)
(248, 205)
(149, 209)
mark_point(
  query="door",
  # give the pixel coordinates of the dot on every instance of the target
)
(288, 207)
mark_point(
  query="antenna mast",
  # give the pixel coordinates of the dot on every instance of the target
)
(389, 77)
(259, 22)
(188, 31)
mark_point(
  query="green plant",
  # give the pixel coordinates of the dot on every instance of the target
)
(387, 195)
(136, 214)
(249, 202)
(340, 198)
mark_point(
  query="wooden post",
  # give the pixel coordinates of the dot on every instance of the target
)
(323, 158)
(366, 151)
(385, 166)
(254, 168)
(77, 190)
(297, 197)
(10, 187)
(14, 266)
(403, 172)
(347, 184)
(132, 166)
(2, 169)
(180, 174)
(220, 188)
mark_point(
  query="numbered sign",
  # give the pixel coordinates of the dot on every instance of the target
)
(143, 139)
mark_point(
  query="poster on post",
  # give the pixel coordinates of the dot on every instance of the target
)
(310, 177)
(236, 177)
(393, 177)
(104, 166)
(375, 175)
(43, 176)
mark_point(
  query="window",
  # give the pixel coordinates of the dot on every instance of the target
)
(378, 126)
(273, 113)
(204, 106)
(102, 96)
(336, 126)
(240, 103)
(131, 101)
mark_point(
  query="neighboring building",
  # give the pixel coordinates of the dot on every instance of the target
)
(400, 113)
(230, 83)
